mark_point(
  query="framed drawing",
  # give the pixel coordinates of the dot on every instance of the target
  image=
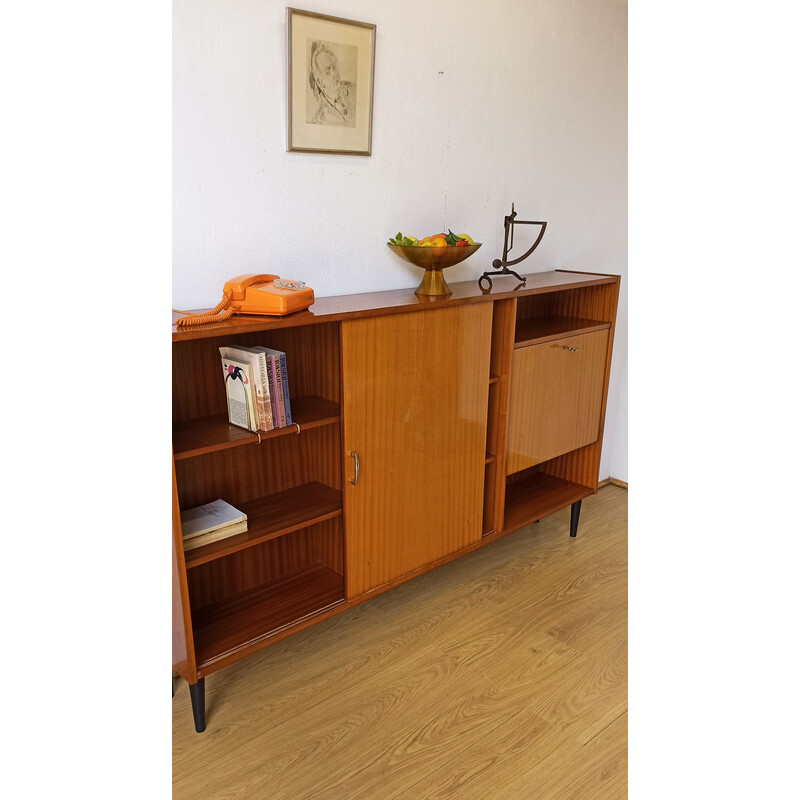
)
(331, 73)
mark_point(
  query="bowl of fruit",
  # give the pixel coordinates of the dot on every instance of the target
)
(433, 254)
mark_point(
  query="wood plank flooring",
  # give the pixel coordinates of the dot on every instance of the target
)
(502, 675)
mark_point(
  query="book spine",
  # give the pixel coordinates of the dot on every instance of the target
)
(285, 381)
(279, 382)
(252, 409)
(265, 422)
(277, 405)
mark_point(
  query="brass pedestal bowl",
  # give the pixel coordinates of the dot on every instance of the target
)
(433, 260)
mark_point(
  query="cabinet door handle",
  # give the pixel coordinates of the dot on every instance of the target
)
(355, 459)
(564, 347)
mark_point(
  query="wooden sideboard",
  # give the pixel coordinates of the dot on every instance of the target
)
(425, 427)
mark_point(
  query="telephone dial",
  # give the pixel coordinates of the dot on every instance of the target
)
(255, 294)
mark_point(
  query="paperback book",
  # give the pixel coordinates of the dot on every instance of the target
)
(215, 536)
(281, 379)
(211, 522)
(239, 392)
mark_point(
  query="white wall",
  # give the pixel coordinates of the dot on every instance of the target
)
(477, 105)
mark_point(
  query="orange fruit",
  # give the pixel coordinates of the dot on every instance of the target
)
(439, 243)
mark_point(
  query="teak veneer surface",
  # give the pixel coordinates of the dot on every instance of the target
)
(274, 515)
(436, 435)
(207, 434)
(556, 394)
(331, 309)
(414, 409)
(263, 610)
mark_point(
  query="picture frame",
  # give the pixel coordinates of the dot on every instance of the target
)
(331, 75)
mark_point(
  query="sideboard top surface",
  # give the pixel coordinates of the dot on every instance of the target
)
(332, 309)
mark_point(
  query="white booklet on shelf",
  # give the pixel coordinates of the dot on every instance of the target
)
(209, 517)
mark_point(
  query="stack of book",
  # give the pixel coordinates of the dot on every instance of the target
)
(257, 387)
(210, 523)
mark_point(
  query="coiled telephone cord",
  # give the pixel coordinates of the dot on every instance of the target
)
(217, 314)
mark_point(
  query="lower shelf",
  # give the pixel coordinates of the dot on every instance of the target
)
(254, 615)
(272, 516)
(537, 496)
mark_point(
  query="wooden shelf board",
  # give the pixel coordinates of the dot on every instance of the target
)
(196, 437)
(253, 616)
(273, 516)
(395, 301)
(538, 496)
(545, 329)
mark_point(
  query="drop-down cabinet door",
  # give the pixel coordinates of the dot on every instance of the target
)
(556, 398)
(415, 394)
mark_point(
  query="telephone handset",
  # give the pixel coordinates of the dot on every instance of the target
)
(255, 294)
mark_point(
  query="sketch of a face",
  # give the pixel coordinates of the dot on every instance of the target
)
(332, 100)
(327, 72)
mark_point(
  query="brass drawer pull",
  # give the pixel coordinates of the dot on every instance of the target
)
(355, 458)
(564, 347)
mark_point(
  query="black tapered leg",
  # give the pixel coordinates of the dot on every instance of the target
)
(574, 516)
(197, 691)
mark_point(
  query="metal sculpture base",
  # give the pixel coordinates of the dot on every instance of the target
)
(487, 276)
(502, 264)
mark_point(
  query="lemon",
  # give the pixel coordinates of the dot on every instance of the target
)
(464, 236)
(425, 244)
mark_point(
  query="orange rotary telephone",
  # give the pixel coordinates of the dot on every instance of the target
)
(255, 294)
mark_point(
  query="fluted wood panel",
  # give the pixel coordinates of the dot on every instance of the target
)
(555, 399)
(414, 408)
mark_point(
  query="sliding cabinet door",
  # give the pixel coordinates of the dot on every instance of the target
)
(415, 393)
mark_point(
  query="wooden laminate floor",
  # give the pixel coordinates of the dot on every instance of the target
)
(500, 675)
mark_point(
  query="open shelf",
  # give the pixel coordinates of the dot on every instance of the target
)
(258, 613)
(537, 496)
(196, 437)
(273, 516)
(545, 329)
